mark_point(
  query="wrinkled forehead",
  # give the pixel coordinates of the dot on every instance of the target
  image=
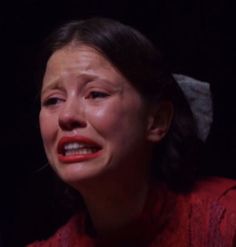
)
(72, 58)
(81, 63)
(72, 54)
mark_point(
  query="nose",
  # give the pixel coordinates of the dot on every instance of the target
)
(71, 115)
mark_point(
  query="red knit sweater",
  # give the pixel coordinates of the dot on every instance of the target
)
(204, 218)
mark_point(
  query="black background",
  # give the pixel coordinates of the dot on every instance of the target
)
(197, 38)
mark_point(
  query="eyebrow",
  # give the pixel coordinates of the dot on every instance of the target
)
(57, 84)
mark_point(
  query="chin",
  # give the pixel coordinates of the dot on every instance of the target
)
(80, 173)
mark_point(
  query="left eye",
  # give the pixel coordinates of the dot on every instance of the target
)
(97, 94)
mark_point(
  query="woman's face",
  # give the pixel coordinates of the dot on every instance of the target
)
(93, 122)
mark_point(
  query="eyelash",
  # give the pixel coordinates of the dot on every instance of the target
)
(51, 101)
(97, 94)
(92, 95)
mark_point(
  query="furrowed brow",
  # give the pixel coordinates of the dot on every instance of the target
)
(51, 86)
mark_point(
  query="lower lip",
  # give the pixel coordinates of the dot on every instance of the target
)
(78, 157)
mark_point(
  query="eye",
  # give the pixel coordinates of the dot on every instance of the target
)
(97, 94)
(52, 101)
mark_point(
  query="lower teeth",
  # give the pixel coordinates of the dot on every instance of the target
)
(79, 151)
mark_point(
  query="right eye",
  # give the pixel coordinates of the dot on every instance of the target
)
(52, 101)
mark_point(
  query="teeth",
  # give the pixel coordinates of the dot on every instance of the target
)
(78, 148)
(80, 151)
(74, 145)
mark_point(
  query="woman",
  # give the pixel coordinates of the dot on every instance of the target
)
(118, 129)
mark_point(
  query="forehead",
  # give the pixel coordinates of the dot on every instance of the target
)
(81, 58)
(75, 63)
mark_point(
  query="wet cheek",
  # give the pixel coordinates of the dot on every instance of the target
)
(47, 128)
(108, 121)
(48, 134)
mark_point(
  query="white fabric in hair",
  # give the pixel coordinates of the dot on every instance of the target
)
(199, 96)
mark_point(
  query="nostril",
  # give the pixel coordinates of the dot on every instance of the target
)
(71, 115)
(67, 122)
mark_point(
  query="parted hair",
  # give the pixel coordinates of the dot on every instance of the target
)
(142, 64)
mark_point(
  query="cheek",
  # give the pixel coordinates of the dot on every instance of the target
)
(47, 127)
(106, 119)
(117, 120)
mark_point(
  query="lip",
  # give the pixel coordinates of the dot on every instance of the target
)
(77, 157)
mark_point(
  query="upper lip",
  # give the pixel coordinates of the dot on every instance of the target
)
(75, 139)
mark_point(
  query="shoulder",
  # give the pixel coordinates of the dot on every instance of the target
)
(215, 189)
(213, 211)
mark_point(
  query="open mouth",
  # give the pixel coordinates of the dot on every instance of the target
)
(77, 148)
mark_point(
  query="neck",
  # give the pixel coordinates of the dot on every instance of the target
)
(113, 204)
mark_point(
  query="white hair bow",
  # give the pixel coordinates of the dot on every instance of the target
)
(199, 97)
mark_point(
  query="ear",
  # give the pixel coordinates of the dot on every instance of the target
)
(159, 121)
